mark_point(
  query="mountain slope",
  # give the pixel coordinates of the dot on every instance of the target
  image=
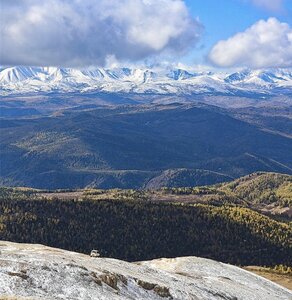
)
(185, 177)
(269, 193)
(39, 272)
(262, 188)
(127, 226)
(74, 150)
(21, 80)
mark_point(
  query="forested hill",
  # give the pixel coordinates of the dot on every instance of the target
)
(270, 193)
(136, 230)
(137, 225)
(138, 146)
(262, 188)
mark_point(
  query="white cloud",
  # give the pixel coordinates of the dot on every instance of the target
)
(265, 44)
(86, 32)
(272, 5)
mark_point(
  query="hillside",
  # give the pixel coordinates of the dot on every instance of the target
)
(134, 228)
(39, 272)
(269, 193)
(262, 188)
(133, 146)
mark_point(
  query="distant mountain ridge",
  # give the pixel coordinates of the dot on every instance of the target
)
(23, 80)
(135, 146)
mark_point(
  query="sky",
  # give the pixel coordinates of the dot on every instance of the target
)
(81, 33)
(224, 18)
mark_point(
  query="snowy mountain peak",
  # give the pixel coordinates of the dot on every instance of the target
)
(237, 77)
(17, 74)
(20, 80)
(180, 74)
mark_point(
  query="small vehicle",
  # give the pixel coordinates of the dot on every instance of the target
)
(94, 253)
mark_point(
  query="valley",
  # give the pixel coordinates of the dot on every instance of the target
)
(142, 146)
(146, 175)
(244, 222)
(146, 150)
(267, 193)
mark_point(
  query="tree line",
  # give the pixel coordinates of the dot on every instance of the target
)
(135, 230)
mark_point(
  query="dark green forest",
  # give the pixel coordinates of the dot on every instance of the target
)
(135, 230)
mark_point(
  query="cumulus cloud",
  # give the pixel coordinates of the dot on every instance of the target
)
(87, 32)
(265, 44)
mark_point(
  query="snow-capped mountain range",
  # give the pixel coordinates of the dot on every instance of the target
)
(23, 80)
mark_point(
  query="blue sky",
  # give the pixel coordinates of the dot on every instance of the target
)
(224, 18)
(215, 33)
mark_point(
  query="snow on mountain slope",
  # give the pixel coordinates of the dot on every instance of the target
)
(39, 272)
(265, 78)
(20, 80)
(13, 75)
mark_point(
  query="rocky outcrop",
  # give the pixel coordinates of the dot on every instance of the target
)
(39, 272)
